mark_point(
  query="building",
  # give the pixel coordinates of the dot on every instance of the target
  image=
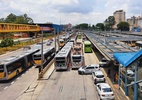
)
(119, 16)
(135, 22)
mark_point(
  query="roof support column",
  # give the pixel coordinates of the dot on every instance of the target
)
(135, 84)
(119, 75)
(126, 81)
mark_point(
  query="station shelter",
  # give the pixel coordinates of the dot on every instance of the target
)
(130, 73)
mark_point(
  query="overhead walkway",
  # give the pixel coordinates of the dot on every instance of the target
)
(9, 27)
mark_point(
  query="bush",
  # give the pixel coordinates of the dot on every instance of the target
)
(6, 42)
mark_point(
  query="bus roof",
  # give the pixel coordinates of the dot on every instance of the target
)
(15, 58)
(87, 42)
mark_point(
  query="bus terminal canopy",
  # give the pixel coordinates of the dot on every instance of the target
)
(57, 28)
(127, 58)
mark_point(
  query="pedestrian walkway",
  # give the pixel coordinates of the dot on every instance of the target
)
(119, 93)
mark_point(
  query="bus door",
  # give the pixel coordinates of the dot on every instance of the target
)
(2, 73)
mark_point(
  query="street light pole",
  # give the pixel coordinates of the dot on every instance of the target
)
(55, 39)
(41, 67)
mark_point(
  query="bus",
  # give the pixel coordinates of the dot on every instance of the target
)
(62, 58)
(61, 42)
(87, 47)
(77, 57)
(48, 54)
(79, 36)
(14, 65)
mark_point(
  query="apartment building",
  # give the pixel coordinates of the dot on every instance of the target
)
(119, 16)
(135, 22)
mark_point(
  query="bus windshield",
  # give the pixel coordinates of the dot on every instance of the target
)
(60, 63)
(1, 68)
(87, 45)
(76, 59)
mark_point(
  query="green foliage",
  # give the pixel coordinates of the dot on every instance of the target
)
(100, 26)
(6, 42)
(109, 22)
(123, 26)
(85, 26)
(10, 18)
(21, 19)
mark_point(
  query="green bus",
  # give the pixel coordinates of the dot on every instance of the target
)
(79, 36)
(87, 47)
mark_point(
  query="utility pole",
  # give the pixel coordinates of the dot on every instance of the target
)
(41, 67)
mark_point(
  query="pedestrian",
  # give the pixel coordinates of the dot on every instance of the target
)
(108, 72)
(114, 78)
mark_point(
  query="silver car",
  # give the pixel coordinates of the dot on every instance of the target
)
(88, 69)
(98, 76)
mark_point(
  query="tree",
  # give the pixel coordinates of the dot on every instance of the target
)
(123, 26)
(20, 20)
(10, 18)
(93, 27)
(2, 20)
(27, 19)
(110, 21)
(100, 26)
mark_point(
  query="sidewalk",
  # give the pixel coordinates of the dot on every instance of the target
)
(119, 93)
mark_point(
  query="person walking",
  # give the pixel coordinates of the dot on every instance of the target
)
(114, 78)
(108, 72)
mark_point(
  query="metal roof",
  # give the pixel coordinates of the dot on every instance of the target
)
(109, 45)
(127, 58)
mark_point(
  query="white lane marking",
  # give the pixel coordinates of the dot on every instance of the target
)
(5, 87)
(18, 78)
(12, 82)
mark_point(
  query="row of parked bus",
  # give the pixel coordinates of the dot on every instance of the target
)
(14, 65)
(72, 54)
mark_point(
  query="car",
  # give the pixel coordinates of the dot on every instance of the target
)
(48, 43)
(98, 76)
(104, 90)
(130, 74)
(104, 62)
(88, 69)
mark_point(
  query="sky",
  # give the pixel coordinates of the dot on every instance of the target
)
(70, 11)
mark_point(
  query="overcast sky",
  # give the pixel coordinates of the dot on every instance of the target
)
(69, 11)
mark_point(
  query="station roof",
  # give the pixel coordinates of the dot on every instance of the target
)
(127, 58)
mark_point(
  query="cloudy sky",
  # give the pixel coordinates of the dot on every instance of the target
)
(69, 11)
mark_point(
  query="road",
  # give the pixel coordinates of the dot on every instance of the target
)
(67, 85)
(62, 85)
(4, 85)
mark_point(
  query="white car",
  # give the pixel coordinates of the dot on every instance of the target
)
(104, 62)
(130, 74)
(104, 91)
(98, 76)
(88, 69)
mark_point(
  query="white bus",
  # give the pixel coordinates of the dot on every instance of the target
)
(77, 57)
(62, 58)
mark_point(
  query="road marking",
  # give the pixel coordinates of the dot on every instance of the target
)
(18, 78)
(12, 82)
(5, 87)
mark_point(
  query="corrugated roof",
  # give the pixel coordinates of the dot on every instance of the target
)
(127, 58)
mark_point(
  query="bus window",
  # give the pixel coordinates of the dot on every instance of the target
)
(37, 57)
(1, 68)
